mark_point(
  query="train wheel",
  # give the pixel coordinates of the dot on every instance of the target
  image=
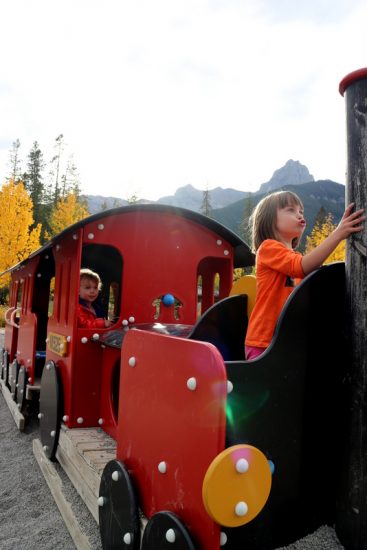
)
(13, 378)
(50, 409)
(162, 530)
(6, 368)
(21, 387)
(118, 509)
(2, 352)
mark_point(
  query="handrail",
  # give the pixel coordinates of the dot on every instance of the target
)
(10, 315)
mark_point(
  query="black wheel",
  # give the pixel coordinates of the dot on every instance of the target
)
(6, 368)
(2, 351)
(21, 387)
(165, 531)
(50, 408)
(13, 378)
(118, 509)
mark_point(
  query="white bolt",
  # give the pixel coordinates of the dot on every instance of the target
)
(57, 247)
(80, 420)
(125, 322)
(229, 386)
(30, 380)
(219, 242)
(170, 535)
(101, 501)
(45, 448)
(100, 226)
(40, 415)
(47, 256)
(191, 383)
(46, 340)
(132, 361)
(162, 467)
(127, 538)
(241, 509)
(53, 433)
(115, 475)
(39, 275)
(131, 319)
(68, 339)
(90, 236)
(100, 421)
(223, 538)
(29, 274)
(242, 465)
(48, 366)
(65, 418)
(95, 336)
(84, 340)
(75, 237)
(29, 361)
(226, 252)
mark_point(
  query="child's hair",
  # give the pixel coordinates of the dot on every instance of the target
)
(86, 273)
(263, 219)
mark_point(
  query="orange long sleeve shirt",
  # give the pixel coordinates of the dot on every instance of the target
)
(278, 271)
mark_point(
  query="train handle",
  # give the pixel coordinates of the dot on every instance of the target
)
(10, 316)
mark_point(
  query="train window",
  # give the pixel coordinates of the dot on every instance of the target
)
(19, 293)
(216, 287)
(51, 297)
(199, 295)
(214, 281)
(113, 301)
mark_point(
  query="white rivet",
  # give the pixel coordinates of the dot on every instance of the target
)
(242, 465)
(29, 361)
(131, 319)
(80, 420)
(125, 322)
(219, 242)
(95, 336)
(75, 236)
(115, 475)
(48, 366)
(162, 467)
(241, 509)
(46, 340)
(84, 340)
(191, 383)
(57, 247)
(100, 226)
(91, 236)
(45, 448)
(127, 538)
(226, 252)
(21, 391)
(53, 433)
(29, 274)
(132, 361)
(223, 538)
(47, 256)
(39, 275)
(30, 380)
(170, 535)
(100, 501)
(68, 338)
(229, 386)
(40, 415)
(100, 421)
(65, 418)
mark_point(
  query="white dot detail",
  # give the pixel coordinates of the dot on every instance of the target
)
(125, 322)
(90, 236)
(170, 535)
(226, 252)
(75, 237)
(84, 340)
(131, 319)
(40, 416)
(65, 418)
(95, 336)
(229, 386)
(53, 433)
(191, 383)
(223, 538)
(100, 501)
(45, 448)
(80, 420)
(162, 467)
(242, 465)
(100, 421)
(127, 538)
(100, 226)
(132, 362)
(115, 475)
(241, 509)
(219, 242)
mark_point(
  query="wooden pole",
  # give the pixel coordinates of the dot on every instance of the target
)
(351, 521)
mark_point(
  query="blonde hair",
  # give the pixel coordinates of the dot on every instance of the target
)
(263, 219)
(86, 273)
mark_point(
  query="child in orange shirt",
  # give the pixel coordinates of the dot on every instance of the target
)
(90, 315)
(277, 226)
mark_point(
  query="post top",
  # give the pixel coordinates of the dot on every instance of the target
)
(350, 78)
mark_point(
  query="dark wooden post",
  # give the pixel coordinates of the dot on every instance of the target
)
(351, 523)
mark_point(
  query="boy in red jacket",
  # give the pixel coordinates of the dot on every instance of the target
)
(90, 314)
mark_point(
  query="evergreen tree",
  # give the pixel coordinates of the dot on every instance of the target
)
(55, 168)
(205, 207)
(33, 182)
(15, 163)
(70, 182)
(245, 230)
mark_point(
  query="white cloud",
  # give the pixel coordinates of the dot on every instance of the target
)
(151, 96)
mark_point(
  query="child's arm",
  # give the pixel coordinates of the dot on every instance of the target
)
(350, 223)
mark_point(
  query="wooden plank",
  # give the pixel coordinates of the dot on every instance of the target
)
(74, 468)
(55, 484)
(13, 407)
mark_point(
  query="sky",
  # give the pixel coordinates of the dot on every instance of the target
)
(154, 95)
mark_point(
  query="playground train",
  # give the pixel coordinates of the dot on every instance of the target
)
(211, 450)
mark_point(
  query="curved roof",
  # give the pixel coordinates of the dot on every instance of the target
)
(242, 253)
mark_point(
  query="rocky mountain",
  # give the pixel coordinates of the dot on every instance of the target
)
(292, 173)
(192, 198)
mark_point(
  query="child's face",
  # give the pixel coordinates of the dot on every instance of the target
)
(291, 222)
(88, 290)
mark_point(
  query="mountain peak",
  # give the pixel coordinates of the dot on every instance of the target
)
(292, 173)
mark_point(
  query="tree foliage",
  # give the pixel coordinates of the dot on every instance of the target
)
(67, 211)
(322, 229)
(17, 236)
(206, 207)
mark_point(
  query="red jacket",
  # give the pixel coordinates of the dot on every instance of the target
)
(88, 319)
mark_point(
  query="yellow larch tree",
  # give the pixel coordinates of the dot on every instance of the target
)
(68, 210)
(320, 231)
(17, 239)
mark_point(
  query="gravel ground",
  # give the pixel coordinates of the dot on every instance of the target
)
(29, 517)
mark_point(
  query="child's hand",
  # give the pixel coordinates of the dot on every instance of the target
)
(107, 323)
(351, 222)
